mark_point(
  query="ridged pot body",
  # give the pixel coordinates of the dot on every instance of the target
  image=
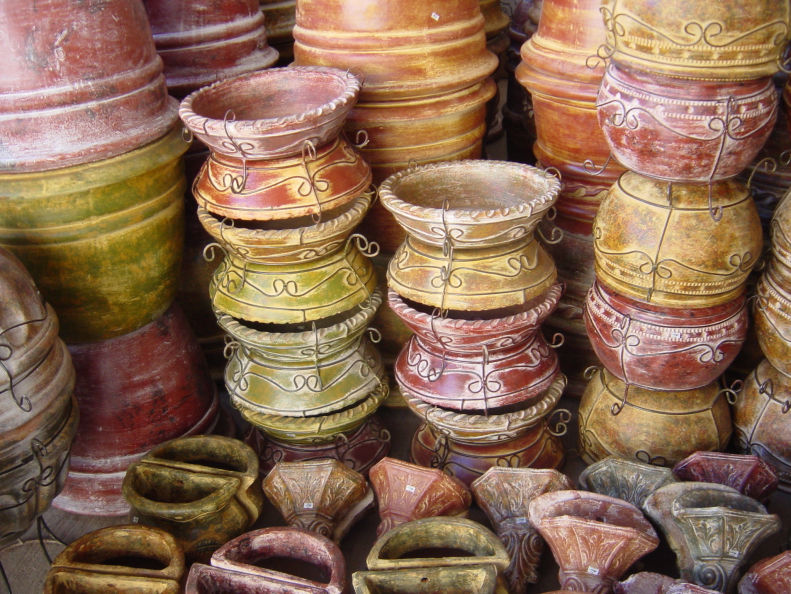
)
(772, 318)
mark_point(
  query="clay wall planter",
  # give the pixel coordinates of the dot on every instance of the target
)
(650, 426)
(663, 348)
(646, 582)
(768, 576)
(134, 391)
(102, 240)
(83, 83)
(121, 558)
(629, 480)
(476, 578)
(698, 40)
(772, 317)
(749, 475)
(280, 20)
(649, 239)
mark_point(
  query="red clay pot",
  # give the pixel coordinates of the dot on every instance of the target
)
(749, 475)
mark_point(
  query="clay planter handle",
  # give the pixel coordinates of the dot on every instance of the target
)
(481, 579)
(749, 475)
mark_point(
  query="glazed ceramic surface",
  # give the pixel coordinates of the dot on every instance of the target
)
(625, 479)
(768, 576)
(749, 475)
(772, 316)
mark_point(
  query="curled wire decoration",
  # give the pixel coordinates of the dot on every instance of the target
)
(559, 426)
(555, 232)
(187, 135)
(558, 340)
(7, 351)
(231, 145)
(230, 347)
(361, 139)
(601, 58)
(591, 371)
(374, 334)
(732, 391)
(309, 155)
(617, 407)
(646, 458)
(593, 169)
(767, 165)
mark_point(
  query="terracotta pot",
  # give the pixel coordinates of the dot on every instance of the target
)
(280, 20)
(629, 480)
(647, 425)
(711, 528)
(749, 475)
(495, 20)
(504, 494)
(646, 582)
(698, 40)
(112, 230)
(768, 576)
(404, 50)
(482, 579)
(684, 131)
(781, 231)
(203, 490)
(663, 348)
(407, 492)
(68, 100)
(772, 317)
(134, 392)
(201, 42)
(616, 532)
(648, 236)
(121, 558)
(322, 496)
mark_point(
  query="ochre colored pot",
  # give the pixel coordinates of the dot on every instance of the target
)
(772, 318)
(280, 20)
(768, 576)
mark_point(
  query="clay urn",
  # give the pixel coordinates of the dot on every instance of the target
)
(629, 480)
(712, 529)
(118, 558)
(780, 233)
(772, 317)
(647, 582)
(749, 475)
(323, 496)
(406, 492)
(616, 535)
(82, 83)
(768, 576)
(504, 495)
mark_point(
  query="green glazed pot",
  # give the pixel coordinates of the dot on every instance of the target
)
(103, 240)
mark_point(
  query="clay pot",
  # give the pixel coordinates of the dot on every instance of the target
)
(323, 496)
(663, 348)
(134, 392)
(185, 487)
(482, 579)
(403, 50)
(712, 529)
(681, 131)
(781, 231)
(120, 558)
(646, 582)
(772, 317)
(103, 240)
(768, 576)
(698, 40)
(504, 494)
(83, 84)
(648, 236)
(629, 480)
(280, 20)
(616, 532)
(749, 475)
(271, 114)
(201, 42)
(495, 20)
(406, 492)
(647, 425)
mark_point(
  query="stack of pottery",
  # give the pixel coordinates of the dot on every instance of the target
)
(281, 193)
(474, 285)
(562, 73)
(676, 236)
(280, 17)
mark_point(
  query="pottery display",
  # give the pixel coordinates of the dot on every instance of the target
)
(406, 492)
(504, 494)
(104, 240)
(749, 475)
(629, 480)
(648, 236)
(768, 576)
(646, 582)
(647, 425)
(323, 496)
(772, 318)
(712, 529)
(83, 83)
(617, 535)
(127, 558)
(663, 348)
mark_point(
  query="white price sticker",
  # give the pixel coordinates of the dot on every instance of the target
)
(307, 505)
(410, 489)
(593, 570)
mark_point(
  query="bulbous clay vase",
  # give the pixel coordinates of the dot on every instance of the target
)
(83, 83)
(119, 558)
(647, 425)
(749, 475)
(698, 40)
(504, 494)
(616, 532)
(407, 492)
(629, 480)
(772, 316)
(663, 348)
(648, 235)
(768, 576)
(102, 240)
(134, 392)
(780, 233)
(712, 529)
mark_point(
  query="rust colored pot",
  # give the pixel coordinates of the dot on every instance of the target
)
(749, 475)
(647, 425)
(201, 42)
(663, 348)
(684, 131)
(768, 576)
(401, 50)
(772, 318)
(134, 392)
(82, 83)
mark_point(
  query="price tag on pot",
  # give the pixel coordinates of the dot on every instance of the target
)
(410, 489)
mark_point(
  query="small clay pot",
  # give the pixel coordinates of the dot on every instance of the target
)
(768, 576)
(749, 475)
(772, 317)
(629, 480)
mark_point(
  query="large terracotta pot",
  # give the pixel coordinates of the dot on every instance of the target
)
(772, 317)
(698, 40)
(401, 50)
(134, 391)
(663, 348)
(647, 425)
(82, 83)
(201, 42)
(102, 240)
(676, 245)
(682, 131)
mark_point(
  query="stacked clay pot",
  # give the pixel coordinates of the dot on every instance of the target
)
(676, 236)
(474, 285)
(280, 17)
(280, 194)
(562, 73)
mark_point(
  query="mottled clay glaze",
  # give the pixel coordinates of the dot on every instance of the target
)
(625, 479)
(749, 475)
(768, 576)
(646, 582)
(481, 579)
(772, 317)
